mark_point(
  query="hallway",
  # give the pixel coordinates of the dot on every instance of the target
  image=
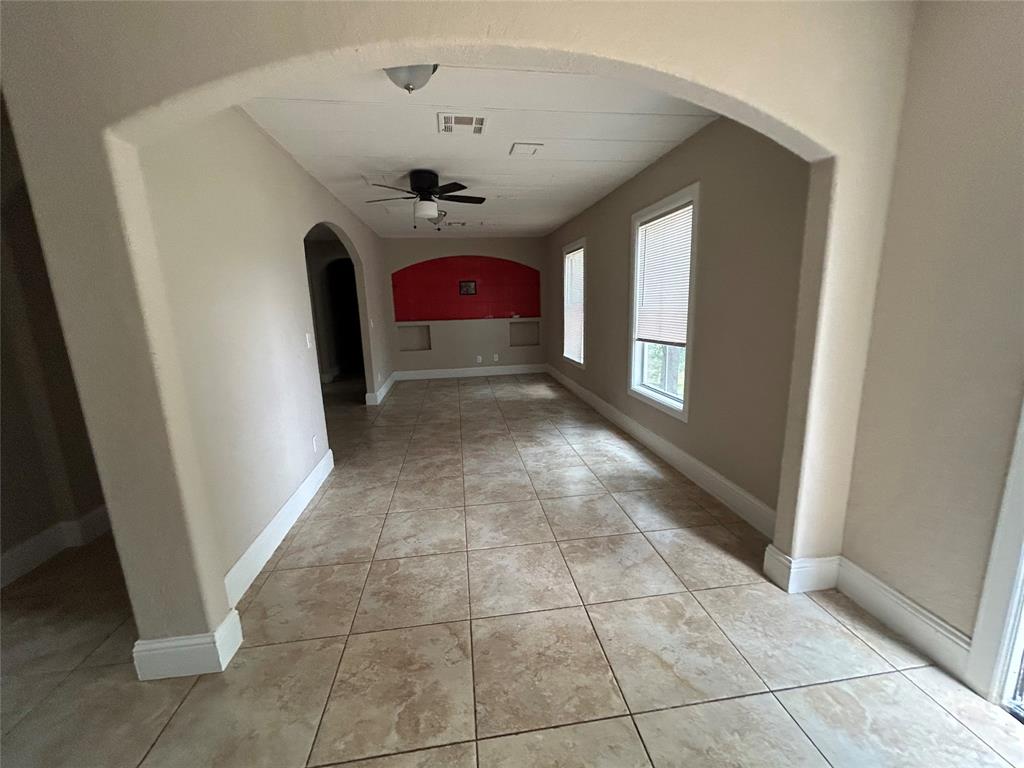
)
(492, 562)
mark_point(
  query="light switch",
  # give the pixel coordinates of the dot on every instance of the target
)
(309, 341)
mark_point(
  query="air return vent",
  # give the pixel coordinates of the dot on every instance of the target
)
(449, 123)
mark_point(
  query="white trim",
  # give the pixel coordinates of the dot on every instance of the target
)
(377, 397)
(189, 654)
(461, 373)
(802, 574)
(744, 504)
(249, 565)
(579, 244)
(943, 642)
(997, 646)
(689, 194)
(34, 551)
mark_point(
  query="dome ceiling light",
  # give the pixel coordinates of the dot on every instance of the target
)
(411, 78)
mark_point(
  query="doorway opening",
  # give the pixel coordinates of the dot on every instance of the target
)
(334, 299)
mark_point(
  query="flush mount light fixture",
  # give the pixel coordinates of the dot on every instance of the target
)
(411, 78)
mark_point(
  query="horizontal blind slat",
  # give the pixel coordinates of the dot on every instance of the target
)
(663, 277)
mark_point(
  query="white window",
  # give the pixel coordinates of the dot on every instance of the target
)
(662, 323)
(573, 299)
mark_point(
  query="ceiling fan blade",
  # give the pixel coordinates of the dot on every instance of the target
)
(461, 199)
(445, 189)
(387, 199)
(397, 189)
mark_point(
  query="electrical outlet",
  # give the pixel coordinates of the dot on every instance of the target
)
(315, 443)
(309, 341)
(495, 357)
(479, 358)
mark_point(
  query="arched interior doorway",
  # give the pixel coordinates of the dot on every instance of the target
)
(334, 299)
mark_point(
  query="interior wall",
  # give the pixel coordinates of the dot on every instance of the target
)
(230, 210)
(945, 373)
(456, 343)
(47, 470)
(749, 235)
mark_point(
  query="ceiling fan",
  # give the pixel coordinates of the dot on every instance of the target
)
(426, 191)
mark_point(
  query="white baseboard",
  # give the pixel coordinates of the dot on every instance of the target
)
(802, 574)
(377, 397)
(33, 552)
(944, 643)
(744, 504)
(249, 565)
(189, 654)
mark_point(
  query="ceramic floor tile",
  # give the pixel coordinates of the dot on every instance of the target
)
(432, 493)
(707, 556)
(659, 509)
(250, 594)
(20, 692)
(442, 465)
(751, 732)
(399, 690)
(788, 639)
(666, 651)
(332, 542)
(426, 532)
(869, 629)
(453, 756)
(50, 634)
(492, 489)
(750, 538)
(550, 457)
(618, 567)
(537, 670)
(116, 649)
(992, 724)
(346, 501)
(414, 590)
(303, 604)
(619, 476)
(502, 525)
(603, 744)
(532, 577)
(480, 461)
(567, 481)
(101, 717)
(574, 517)
(262, 710)
(884, 720)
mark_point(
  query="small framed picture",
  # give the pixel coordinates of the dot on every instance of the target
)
(467, 287)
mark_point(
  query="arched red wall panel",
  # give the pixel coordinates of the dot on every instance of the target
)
(429, 290)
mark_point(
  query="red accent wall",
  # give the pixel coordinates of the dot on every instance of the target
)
(429, 290)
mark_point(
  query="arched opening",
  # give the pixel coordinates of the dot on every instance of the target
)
(337, 329)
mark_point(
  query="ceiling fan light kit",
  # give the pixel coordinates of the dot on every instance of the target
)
(426, 190)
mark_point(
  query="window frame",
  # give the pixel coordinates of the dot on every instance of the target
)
(634, 382)
(576, 245)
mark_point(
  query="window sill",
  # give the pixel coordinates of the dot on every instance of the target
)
(570, 361)
(667, 405)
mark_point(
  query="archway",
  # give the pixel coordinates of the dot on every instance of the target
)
(334, 288)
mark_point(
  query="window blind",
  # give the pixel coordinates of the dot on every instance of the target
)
(663, 277)
(572, 306)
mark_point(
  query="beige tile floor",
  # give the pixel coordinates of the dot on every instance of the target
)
(492, 576)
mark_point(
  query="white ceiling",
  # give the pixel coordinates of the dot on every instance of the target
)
(596, 132)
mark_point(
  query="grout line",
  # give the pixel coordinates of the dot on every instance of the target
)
(952, 714)
(796, 722)
(169, 719)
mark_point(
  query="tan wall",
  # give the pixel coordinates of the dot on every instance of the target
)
(753, 196)
(822, 78)
(230, 211)
(456, 343)
(47, 470)
(945, 372)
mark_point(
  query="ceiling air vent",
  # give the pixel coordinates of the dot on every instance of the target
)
(449, 123)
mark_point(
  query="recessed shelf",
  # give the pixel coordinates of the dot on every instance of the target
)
(524, 333)
(413, 338)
